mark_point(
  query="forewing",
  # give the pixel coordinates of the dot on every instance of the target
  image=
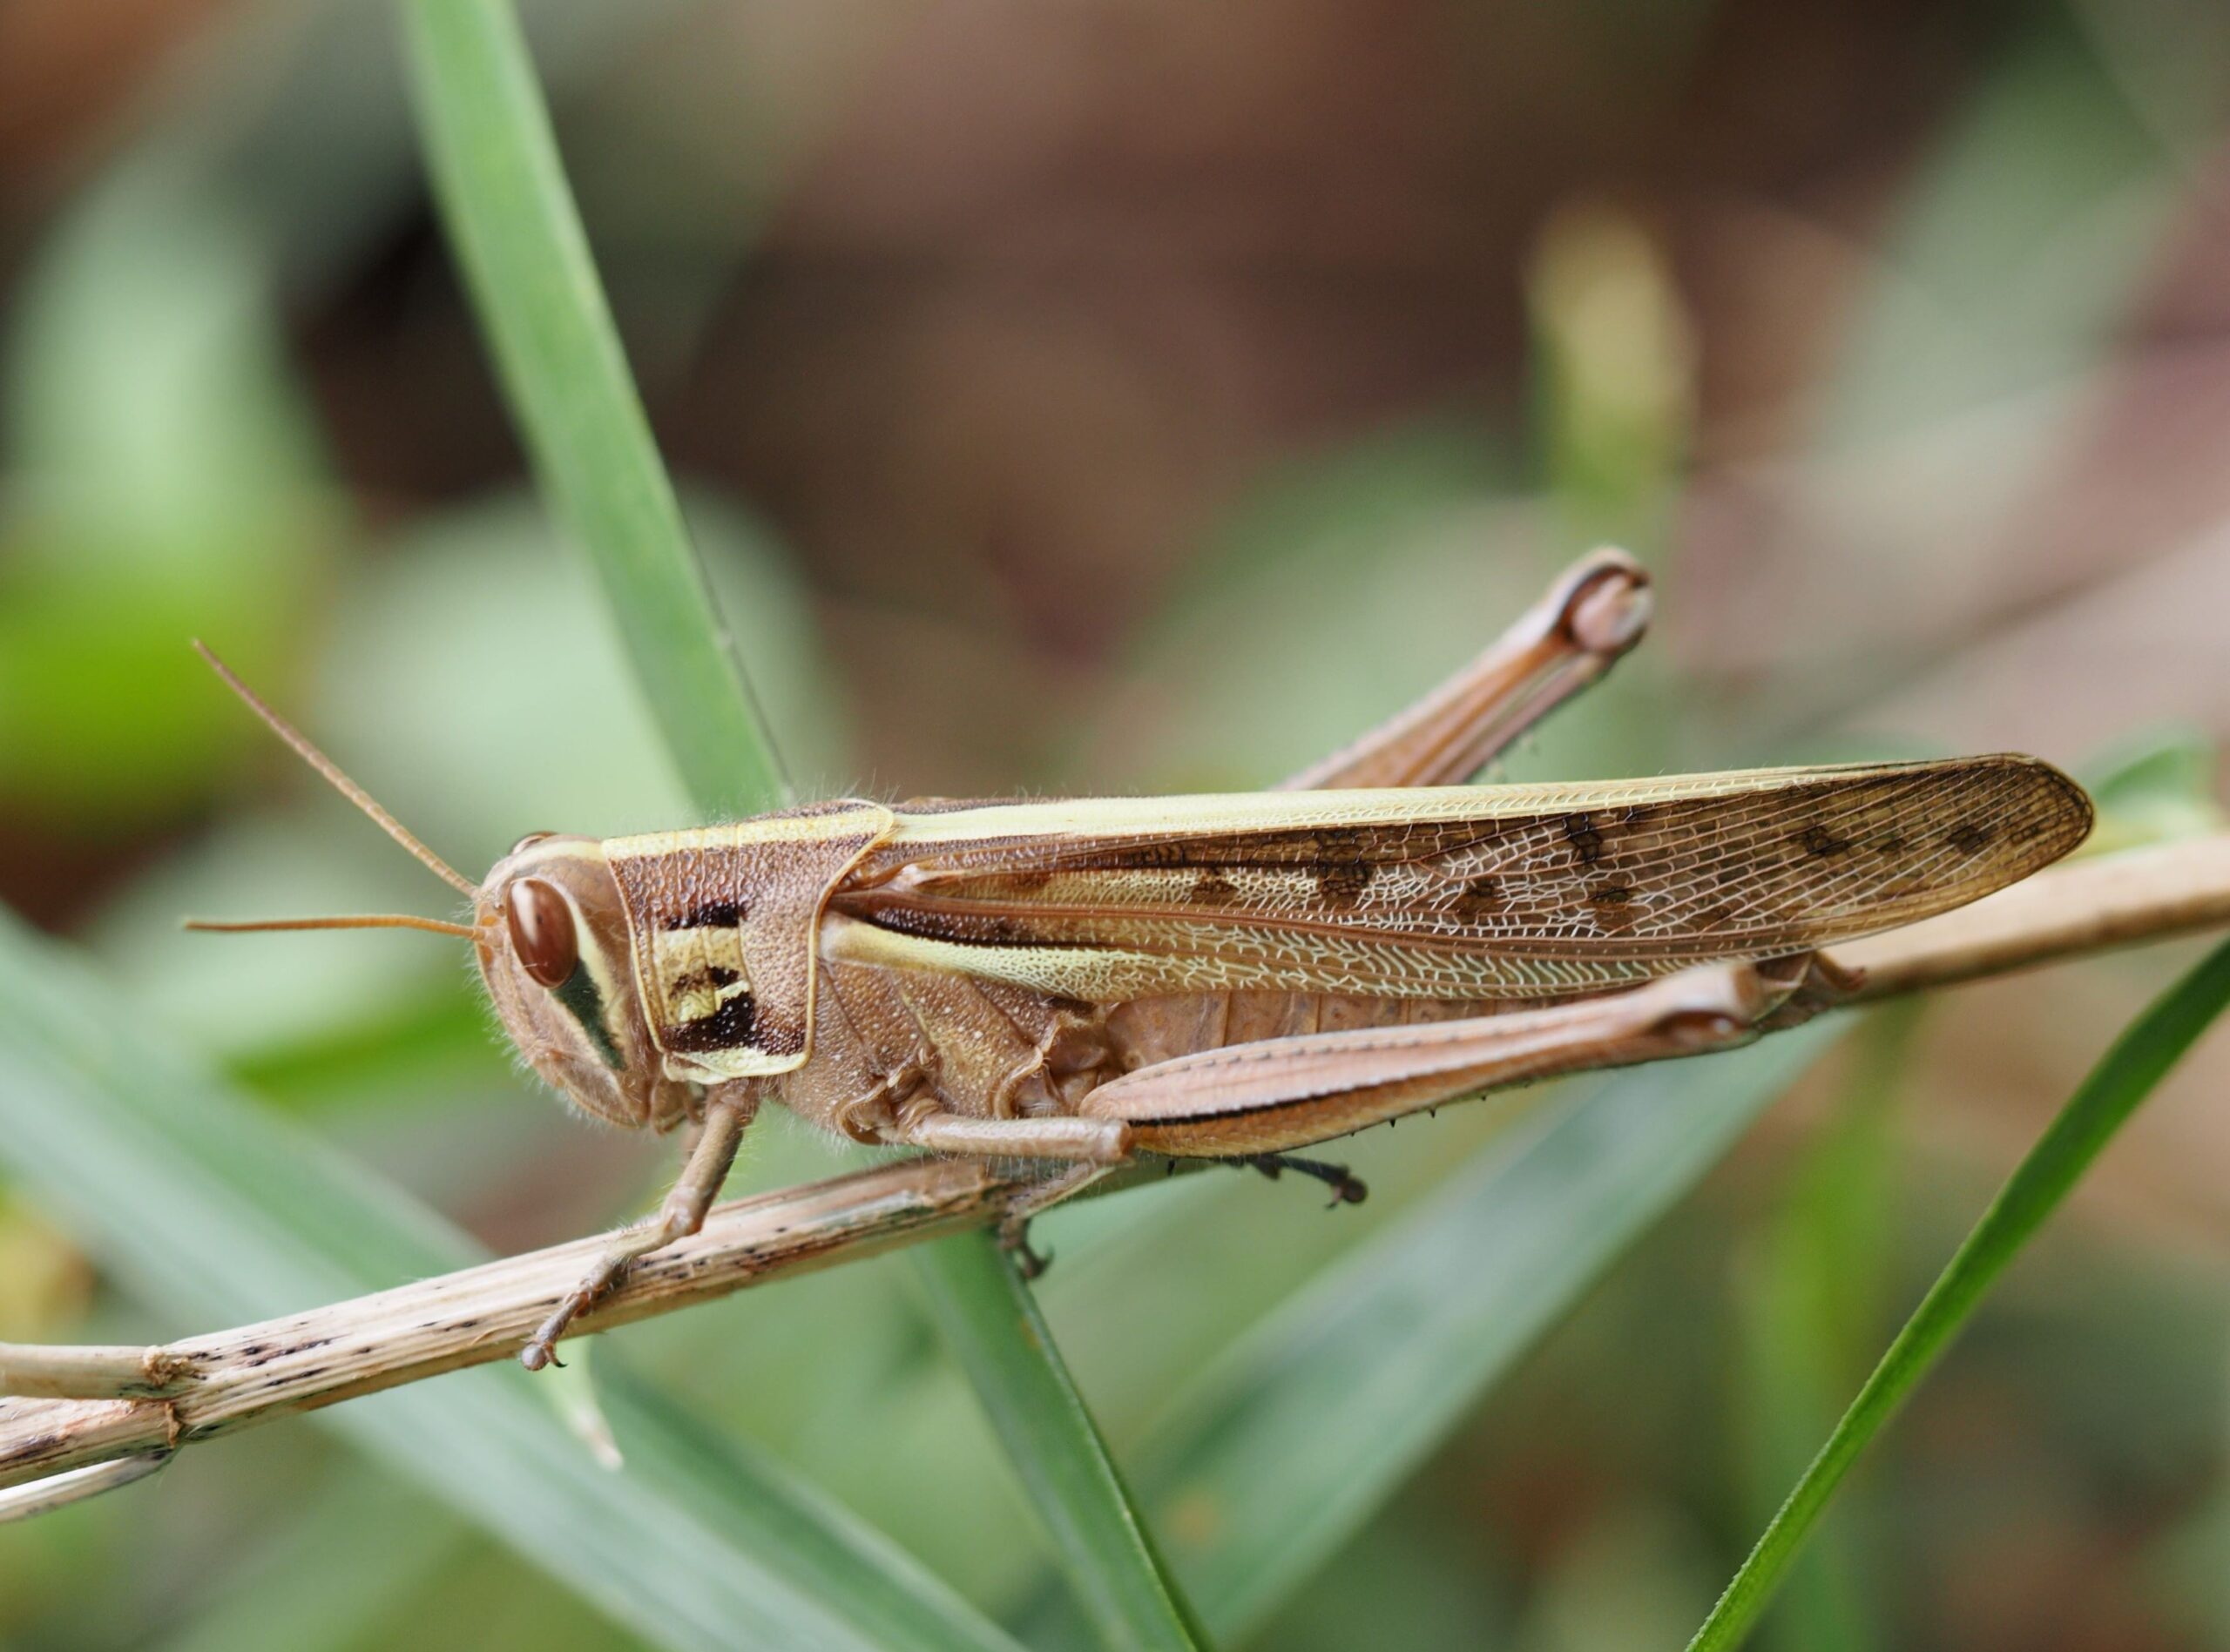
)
(1454, 892)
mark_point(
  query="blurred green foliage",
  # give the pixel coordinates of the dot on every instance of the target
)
(2124, 1079)
(165, 479)
(1513, 1401)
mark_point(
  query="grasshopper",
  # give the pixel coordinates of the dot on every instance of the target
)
(1079, 983)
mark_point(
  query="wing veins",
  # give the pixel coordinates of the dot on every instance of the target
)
(1803, 858)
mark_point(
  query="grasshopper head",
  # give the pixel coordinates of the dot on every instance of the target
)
(551, 935)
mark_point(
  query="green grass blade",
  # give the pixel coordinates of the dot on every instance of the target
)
(1313, 1420)
(221, 1212)
(2122, 1078)
(315, 1585)
(509, 210)
(991, 1324)
(511, 219)
(1809, 1300)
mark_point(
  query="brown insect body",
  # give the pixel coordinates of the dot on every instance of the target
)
(1077, 981)
(883, 969)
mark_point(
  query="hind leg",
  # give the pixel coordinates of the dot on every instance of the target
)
(1280, 1094)
(1579, 629)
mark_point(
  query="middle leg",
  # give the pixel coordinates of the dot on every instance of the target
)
(1084, 1141)
(1092, 1147)
(1346, 1186)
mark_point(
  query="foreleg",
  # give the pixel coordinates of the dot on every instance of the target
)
(681, 1215)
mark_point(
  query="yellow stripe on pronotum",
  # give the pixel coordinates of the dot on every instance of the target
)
(1085, 980)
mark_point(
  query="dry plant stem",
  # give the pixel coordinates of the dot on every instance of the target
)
(233, 1378)
(43, 1495)
(2086, 907)
(116, 1372)
(136, 1402)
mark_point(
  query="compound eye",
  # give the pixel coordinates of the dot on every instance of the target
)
(542, 932)
(532, 837)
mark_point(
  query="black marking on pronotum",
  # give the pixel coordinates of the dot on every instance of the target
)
(713, 914)
(730, 1027)
(579, 998)
(711, 978)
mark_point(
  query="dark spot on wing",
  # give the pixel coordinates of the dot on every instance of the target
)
(1890, 843)
(1613, 906)
(1340, 884)
(1481, 897)
(1817, 839)
(1212, 889)
(1349, 843)
(1344, 863)
(1972, 837)
(1586, 837)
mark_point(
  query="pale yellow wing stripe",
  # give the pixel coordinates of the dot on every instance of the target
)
(1110, 974)
(957, 831)
(1455, 892)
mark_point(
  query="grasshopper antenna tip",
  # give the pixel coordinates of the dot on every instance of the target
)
(331, 771)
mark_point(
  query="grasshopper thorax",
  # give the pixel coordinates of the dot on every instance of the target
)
(551, 932)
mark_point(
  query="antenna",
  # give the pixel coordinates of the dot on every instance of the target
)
(367, 920)
(349, 789)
